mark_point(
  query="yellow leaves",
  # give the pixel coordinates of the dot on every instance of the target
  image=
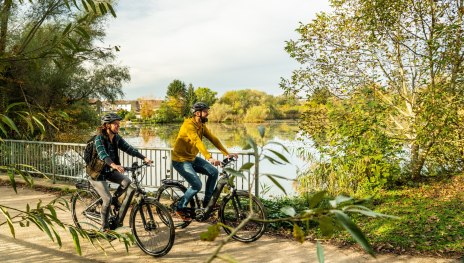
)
(298, 233)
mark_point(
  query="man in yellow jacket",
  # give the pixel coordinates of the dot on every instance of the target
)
(187, 163)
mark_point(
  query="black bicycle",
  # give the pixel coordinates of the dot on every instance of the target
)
(150, 222)
(234, 208)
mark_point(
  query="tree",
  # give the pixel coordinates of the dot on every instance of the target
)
(191, 98)
(147, 108)
(50, 58)
(206, 95)
(176, 97)
(176, 89)
(408, 56)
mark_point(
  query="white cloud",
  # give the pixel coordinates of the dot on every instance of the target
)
(219, 44)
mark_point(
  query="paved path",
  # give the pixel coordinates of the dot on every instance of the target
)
(31, 245)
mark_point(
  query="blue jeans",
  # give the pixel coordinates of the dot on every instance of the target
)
(189, 170)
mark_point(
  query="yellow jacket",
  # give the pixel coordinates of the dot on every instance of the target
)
(189, 141)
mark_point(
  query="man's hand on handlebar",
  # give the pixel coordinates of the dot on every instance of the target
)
(214, 161)
(232, 155)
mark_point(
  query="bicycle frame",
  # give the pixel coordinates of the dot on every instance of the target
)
(117, 219)
(203, 214)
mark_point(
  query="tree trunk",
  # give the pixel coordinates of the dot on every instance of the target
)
(4, 16)
(415, 169)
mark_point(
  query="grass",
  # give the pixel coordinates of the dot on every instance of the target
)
(431, 220)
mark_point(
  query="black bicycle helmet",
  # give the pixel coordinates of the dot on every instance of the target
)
(199, 106)
(110, 117)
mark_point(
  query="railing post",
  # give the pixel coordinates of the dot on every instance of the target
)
(256, 175)
(53, 164)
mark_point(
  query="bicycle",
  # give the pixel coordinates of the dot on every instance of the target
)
(234, 208)
(150, 222)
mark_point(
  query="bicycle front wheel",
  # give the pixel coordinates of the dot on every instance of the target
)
(235, 208)
(152, 227)
(86, 209)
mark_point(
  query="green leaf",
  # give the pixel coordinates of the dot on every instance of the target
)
(246, 166)
(320, 252)
(66, 30)
(76, 240)
(45, 227)
(67, 4)
(326, 225)
(68, 45)
(272, 160)
(12, 105)
(288, 210)
(354, 231)
(111, 11)
(365, 211)
(280, 144)
(278, 176)
(58, 238)
(339, 199)
(261, 131)
(283, 158)
(253, 145)
(102, 8)
(2, 128)
(276, 183)
(92, 5)
(81, 31)
(8, 219)
(246, 147)
(39, 124)
(316, 199)
(10, 123)
(12, 180)
(85, 6)
(83, 19)
(234, 172)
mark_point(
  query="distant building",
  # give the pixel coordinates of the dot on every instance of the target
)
(128, 105)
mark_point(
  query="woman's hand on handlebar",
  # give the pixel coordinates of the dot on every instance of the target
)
(147, 161)
(118, 168)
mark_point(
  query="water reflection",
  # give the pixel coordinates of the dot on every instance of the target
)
(233, 136)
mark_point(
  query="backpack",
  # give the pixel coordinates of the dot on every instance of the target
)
(93, 165)
(90, 152)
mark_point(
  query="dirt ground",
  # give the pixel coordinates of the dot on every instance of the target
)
(32, 245)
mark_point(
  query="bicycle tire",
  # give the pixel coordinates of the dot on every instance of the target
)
(168, 196)
(235, 208)
(152, 227)
(86, 209)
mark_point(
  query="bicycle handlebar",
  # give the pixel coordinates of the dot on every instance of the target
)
(135, 166)
(226, 161)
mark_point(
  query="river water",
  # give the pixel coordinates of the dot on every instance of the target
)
(233, 136)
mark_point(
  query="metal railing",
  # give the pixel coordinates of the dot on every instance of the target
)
(64, 160)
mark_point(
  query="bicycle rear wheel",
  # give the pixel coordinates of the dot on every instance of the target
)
(86, 209)
(152, 227)
(235, 208)
(168, 196)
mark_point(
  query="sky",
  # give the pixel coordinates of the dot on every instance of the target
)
(220, 44)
